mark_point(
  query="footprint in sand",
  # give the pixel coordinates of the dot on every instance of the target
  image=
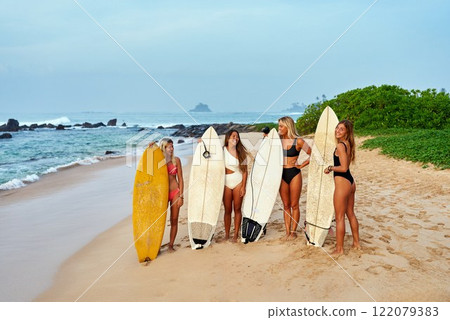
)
(384, 239)
(435, 251)
(390, 250)
(387, 236)
(377, 269)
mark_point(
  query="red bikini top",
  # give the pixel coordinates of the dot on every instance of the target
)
(173, 170)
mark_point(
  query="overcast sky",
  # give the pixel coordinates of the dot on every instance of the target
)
(231, 55)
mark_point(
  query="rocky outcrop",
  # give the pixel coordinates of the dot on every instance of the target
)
(177, 126)
(12, 126)
(6, 136)
(89, 125)
(60, 127)
(197, 131)
(124, 124)
(112, 123)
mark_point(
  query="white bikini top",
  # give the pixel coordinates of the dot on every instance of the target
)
(231, 163)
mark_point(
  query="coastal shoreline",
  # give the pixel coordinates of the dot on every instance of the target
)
(404, 230)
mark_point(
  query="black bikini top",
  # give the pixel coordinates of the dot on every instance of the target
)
(292, 151)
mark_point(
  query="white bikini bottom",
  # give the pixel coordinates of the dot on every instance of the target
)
(233, 179)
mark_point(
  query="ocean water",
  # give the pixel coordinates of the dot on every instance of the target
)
(31, 154)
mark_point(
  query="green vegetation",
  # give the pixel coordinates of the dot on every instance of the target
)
(426, 146)
(412, 125)
(383, 107)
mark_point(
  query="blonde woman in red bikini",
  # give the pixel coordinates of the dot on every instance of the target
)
(176, 186)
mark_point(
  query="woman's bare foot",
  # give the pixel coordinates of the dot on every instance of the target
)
(171, 248)
(285, 238)
(356, 247)
(234, 240)
(293, 235)
(336, 253)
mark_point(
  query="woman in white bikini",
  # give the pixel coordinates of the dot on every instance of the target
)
(235, 156)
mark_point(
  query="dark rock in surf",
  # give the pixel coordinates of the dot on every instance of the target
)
(12, 125)
(6, 136)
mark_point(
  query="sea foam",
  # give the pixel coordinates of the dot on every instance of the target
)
(19, 183)
(60, 120)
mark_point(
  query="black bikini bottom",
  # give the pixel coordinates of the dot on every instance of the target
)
(289, 174)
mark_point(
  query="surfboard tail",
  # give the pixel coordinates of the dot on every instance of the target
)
(250, 230)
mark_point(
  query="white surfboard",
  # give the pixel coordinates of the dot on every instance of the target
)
(262, 187)
(206, 184)
(319, 201)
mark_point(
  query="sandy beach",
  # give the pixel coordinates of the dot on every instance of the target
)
(404, 226)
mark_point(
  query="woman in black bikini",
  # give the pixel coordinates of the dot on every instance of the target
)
(291, 182)
(345, 186)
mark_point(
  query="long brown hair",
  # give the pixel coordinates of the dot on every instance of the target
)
(349, 137)
(241, 150)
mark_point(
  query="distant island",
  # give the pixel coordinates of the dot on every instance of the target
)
(201, 107)
(296, 108)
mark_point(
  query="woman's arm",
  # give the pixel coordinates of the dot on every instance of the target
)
(244, 182)
(301, 144)
(180, 175)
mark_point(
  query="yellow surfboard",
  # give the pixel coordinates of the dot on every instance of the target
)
(150, 200)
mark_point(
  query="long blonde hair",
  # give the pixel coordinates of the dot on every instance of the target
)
(163, 144)
(288, 122)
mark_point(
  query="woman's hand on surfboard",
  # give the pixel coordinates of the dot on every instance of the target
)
(151, 144)
(242, 191)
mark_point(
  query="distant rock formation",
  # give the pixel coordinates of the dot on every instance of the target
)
(296, 108)
(124, 124)
(112, 123)
(12, 126)
(60, 127)
(201, 107)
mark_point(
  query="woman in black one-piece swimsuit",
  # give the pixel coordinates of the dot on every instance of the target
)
(345, 186)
